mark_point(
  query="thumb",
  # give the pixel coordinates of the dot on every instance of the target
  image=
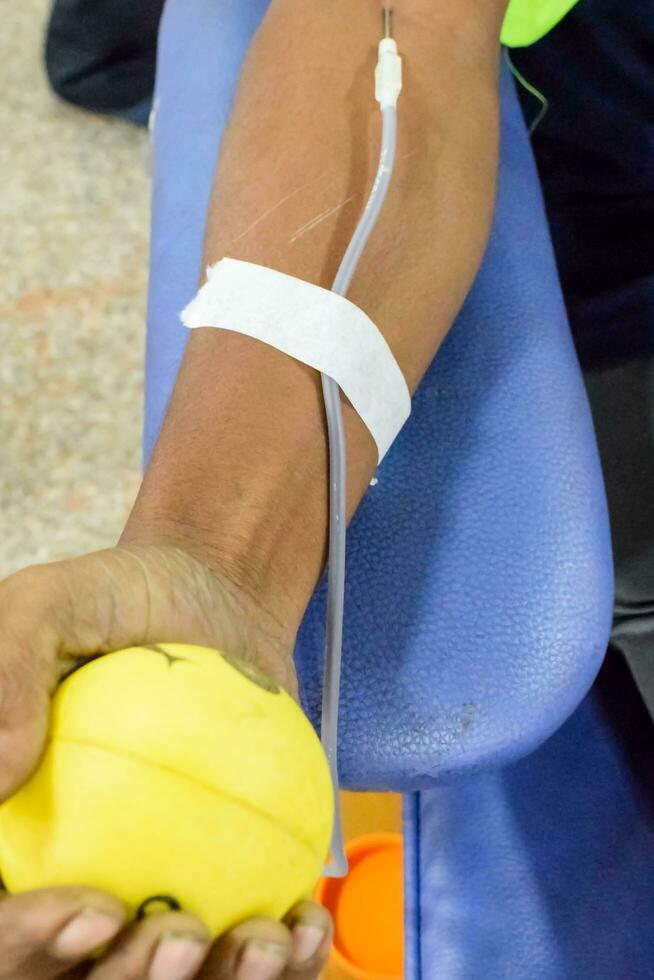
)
(23, 730)
(24, 708)
(50, 616)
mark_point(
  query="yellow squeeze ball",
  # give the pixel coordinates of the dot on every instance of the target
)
(174, 771)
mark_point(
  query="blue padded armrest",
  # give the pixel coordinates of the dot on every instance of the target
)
(543, 870)
(479, 572)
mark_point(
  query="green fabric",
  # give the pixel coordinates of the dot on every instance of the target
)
(527, 21)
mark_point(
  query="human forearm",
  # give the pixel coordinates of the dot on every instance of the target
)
(240, 469)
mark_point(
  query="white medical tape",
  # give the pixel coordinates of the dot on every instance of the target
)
(312, 325)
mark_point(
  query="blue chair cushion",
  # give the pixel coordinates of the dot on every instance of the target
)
(545, 870)
(479, 582)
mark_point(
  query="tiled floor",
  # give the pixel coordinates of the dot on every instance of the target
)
(74, 202)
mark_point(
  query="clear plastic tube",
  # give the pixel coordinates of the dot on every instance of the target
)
(338, 867)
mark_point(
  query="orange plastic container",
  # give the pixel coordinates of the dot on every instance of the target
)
(367, 908)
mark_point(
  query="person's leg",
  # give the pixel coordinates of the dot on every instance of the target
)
(101, 55)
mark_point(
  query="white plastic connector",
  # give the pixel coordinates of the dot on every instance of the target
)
(388, 74)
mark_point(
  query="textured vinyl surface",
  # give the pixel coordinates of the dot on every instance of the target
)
(545, 870)
(479, 571)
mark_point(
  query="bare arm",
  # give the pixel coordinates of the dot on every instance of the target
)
(239, 473)
(228, 536)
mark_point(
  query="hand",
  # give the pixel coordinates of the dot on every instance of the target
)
(51, 933)
(54, 615)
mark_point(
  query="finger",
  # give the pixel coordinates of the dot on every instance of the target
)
(310, 928)
(169, 946)
(42, 932)
(256, 950)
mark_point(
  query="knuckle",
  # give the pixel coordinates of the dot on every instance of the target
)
(310, 913)
(128, 971)
(21, 932)
(268, 930)
(174, 923)
(25, 590)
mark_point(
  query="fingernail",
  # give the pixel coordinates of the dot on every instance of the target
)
(83, 934)
(261, 961)
(177, 957)
(306, 942)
